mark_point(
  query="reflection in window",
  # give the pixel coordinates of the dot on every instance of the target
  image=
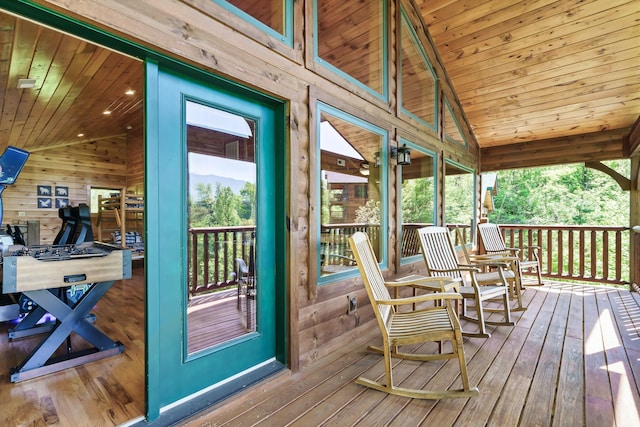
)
(351, 36)
(418, 197)
(459, 196)
(275, 15)
(351, 198)
(418, 79)
(221, 215)
(452, 131)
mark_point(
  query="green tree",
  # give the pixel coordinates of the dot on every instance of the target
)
(417, 200)
(225, 207)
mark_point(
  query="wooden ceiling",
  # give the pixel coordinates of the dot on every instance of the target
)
(523, 72)
(76, 82)
(543, 69)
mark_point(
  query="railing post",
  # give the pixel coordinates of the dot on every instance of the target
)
(635, 258)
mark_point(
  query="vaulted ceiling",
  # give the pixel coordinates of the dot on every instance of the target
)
(527, 71)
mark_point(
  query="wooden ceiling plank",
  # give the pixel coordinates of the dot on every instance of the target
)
(604, 30)
(550, 20)
(609, 76)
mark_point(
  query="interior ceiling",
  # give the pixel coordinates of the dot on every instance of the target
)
(535, 70)
(75, 83)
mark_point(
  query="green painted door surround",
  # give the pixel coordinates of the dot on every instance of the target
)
(173, 374)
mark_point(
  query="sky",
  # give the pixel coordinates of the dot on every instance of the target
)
(209, 165)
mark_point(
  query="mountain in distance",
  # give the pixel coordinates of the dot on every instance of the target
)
(194, 179)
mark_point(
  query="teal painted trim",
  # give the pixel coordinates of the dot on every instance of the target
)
(286, 38)
(384, 95)
(464, 142)
(434, 156)
(474, 190)
(384, 158)
(61, 22)
(152, 253)
(425, 59)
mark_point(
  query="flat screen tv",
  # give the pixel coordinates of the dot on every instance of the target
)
(11, 163)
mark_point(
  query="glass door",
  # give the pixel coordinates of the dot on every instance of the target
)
(213, 273)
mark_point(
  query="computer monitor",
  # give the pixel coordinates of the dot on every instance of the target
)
(11, 163)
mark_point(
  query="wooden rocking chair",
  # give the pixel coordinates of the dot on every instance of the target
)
(425, 324)
(493, 244)
(512, 275)
(441, 260)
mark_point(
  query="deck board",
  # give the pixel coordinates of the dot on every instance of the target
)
(573, 358)
(554, 367)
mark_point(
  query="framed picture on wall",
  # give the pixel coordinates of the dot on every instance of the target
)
(44, 190)
(62, 202)
(62, 191)
(44, 202)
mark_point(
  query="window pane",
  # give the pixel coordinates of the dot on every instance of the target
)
(418, 195)
(418, 80)
(270, 12)
(452, 130)
(350, 195)
(459, 191)
(221, 226)
(351, 37)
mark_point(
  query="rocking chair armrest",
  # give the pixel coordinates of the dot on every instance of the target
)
(489, 263)
(417, 281)
(459, 268)
(438, 296)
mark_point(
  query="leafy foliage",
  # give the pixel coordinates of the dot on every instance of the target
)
(568, 194)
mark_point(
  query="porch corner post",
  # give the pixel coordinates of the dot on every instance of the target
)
(634, 223)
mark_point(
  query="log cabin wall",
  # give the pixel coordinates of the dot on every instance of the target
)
(208, 36)
(76, 168)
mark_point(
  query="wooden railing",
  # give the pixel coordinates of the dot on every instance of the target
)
(589, 253)
(212, 255)
(598, 254)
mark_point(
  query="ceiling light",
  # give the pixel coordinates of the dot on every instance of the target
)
(106, 112)
(26, 83)
(80, 135)
(130, 92)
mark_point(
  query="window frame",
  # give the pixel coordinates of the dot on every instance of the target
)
(434, 155)
(322, 107)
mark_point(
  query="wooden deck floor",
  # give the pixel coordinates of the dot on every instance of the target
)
(572, 359)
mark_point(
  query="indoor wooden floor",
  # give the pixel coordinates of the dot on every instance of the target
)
(107, 392)
(572, 359)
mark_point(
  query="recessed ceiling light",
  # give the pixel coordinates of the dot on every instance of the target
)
(106, 112)
(130, 92)
(80, 135)
(26, 83)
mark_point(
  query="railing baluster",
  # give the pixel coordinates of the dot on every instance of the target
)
(570, 254)
(605, 255)
(560, 253)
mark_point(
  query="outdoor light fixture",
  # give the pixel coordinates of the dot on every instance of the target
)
(364, 169)
(402, 155)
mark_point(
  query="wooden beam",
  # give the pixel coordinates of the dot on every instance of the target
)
(632, 141)
(597, 146)
(623, 182)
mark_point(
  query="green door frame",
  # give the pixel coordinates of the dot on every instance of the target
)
(153, 202)
(165, 183)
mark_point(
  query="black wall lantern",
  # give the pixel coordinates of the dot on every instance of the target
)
(402, 155)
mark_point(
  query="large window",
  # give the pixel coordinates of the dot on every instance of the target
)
(352, 164)
(418, 197)
(273, 16)
(419, 85)
(459, 197)
(351, 38)
(452, 130)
